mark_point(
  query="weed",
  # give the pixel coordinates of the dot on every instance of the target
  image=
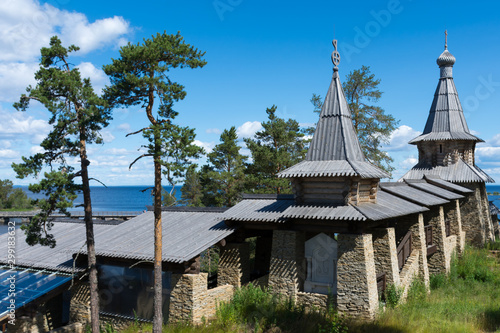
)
(393, 295)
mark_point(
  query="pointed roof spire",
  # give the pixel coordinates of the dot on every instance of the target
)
(446, 119)
(335, 148)
(446, 39)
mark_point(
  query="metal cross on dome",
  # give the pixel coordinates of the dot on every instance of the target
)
(335, 54)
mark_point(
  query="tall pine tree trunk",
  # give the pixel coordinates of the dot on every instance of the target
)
(158, 288)
(89, 227)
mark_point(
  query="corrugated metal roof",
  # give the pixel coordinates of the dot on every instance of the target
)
(319, 212)
(336, 168)
(433, 189)
(460, 172)
(267, 210)
(335, 138)
(446, 119)
(432, 179)
(494, 210)
(412, 194)
(185, 235)
(388, 206)
(334, 148)
(68, 236)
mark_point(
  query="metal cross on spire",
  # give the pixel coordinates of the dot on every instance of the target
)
(446, 39)
(335, 55)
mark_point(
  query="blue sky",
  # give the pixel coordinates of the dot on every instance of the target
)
(259, 54)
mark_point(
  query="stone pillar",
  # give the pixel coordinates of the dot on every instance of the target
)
(419, 243)
(385, 253)
(473, 217)
(234, 265)
(286, 275)
(490, 229)
(185, 287)
(357, 293)
(438, 262)
(79, 308)
(454, 216)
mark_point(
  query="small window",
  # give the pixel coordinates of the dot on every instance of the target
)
(440, 149)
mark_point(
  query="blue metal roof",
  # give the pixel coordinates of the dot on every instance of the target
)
(27, 285)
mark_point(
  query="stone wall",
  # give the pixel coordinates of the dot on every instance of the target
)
(79, 310)
(286, 276)
(410, 271)
(191, 301)
(450, 247)
(435, 218)
(386, 259)
(357, 293)
(475, 222)
(315, 302)
(234, 265)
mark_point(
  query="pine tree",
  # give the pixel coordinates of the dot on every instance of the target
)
(372, 124)
(77, 116)
(191, 191)
(277, 147)
(227, 171)
(140, 77)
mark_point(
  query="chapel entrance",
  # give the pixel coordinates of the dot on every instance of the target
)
(321, 256)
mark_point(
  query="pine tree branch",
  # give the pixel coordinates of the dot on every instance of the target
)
(97, 180)
(138, 158)
(142, 129)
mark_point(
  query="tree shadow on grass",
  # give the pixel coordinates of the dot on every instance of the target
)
(490, 320)
(372, 327)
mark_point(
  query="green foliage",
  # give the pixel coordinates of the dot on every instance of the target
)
(11, 198)
(168, 198)
(277, 147)
(77, 116)
(209, 261)
(191, 191)
(224, 178)
(393, 295)
(371, 123)
(417, 291)
(493, 245)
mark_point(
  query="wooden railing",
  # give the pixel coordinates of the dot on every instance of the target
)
(431, 247)
(404, 250)
(447, 227)
(381, 285)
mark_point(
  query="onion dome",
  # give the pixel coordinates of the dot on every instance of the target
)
(446, 59)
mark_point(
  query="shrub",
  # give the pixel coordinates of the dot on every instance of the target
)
(417, 291)
(393, 295)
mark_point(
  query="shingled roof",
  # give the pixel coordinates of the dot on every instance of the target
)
(335, 148)
(446, 119)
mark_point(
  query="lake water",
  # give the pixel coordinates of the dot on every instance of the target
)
(114, 198)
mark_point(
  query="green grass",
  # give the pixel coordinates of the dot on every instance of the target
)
(467, 300)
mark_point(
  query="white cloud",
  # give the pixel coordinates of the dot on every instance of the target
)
(107, 137)
(18, 125)
(408, 163)
(36, 150)
(8, 153)
(98, 78)
(118, 151)
(213, 130)
(5, 144)
(14, 78)
(248, 129)
(495, 141)
(208, 146)
(488, 153)
(399, 138)
(125, 127)
(26, 26)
